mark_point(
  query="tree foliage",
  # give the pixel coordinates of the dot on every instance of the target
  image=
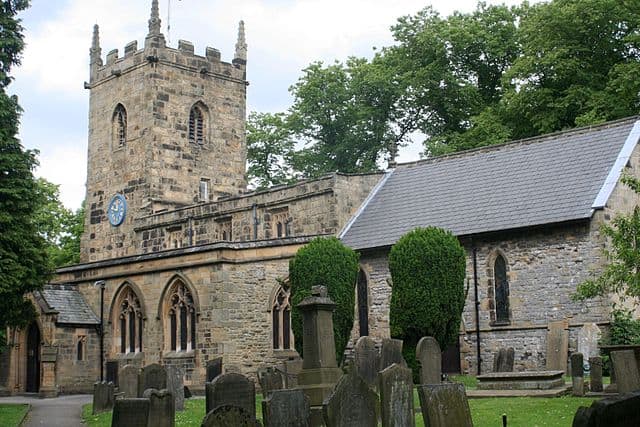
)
(427, 298)
(325, 262)
(23, 258)
(469, 80)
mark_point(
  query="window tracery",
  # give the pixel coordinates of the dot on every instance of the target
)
(181, 318)
(129, 323)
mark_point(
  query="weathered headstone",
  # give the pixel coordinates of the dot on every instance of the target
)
(292, 369)
(588, 337)
(214, 368)
(367, 360)
(162, 408)
(577, 374)
(175, 384)
(320, 370)
(595, 380)
(229, 416)
(390, 353)
(352, 403)
(231, 390)
(396, 396)
(557, 345)
(285, 408)
(619, 411)
(112, 368)
(128, 381)
(430, 358)
(626, 367)
(131, 413)
(444, 405)
(152, 376)
(503, 360)
(103, 396)
(270, 379)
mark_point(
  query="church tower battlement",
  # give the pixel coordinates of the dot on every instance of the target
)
(166, 130)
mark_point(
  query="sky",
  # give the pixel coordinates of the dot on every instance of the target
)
(283, 37)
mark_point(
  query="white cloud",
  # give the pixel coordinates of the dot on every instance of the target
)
(65, 165)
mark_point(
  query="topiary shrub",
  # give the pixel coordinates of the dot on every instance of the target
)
(427, 297)
(326, 262)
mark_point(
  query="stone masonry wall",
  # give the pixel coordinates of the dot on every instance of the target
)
(158, 168)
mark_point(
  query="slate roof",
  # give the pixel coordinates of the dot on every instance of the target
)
(70, 305)
(549, 179)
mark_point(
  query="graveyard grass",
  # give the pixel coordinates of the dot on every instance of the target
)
(521, 412)
(11, 415)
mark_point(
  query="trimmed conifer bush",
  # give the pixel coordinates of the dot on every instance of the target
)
(427, 297)
(326, 262)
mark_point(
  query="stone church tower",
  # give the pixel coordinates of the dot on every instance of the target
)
(166, 130)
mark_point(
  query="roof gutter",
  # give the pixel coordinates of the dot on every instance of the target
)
(366, 202)
(616, 171)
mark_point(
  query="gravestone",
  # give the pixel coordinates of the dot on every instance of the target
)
(292, 369)
(229, 416)
(214, 368)
(367, 360)
(626, 367)
(430, 358)
(588, 337)
(112, 368)
(270, 379)
(286, 408)
(128, 381)
(320, 370)
(152, 376)
(503, 361)
(577, 374)
(619, 411)
(351, 403)
(175, 384)
(103, 397)
(162, 408)
(444, 405)
(231, 389)
(595, 363)
(557, 345)
(130, 413)
(390, 353)
(396, 396)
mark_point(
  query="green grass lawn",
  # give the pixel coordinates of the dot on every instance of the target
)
(11, 414)
(521, 412)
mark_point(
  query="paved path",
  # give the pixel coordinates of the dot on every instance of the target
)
(62, 411)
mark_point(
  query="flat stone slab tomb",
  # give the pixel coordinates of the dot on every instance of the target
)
(532, 380)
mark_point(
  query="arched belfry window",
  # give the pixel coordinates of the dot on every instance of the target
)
(180, 315)
(197, 125)
(281, 319)
(363, 303)
(119, 120)
(128, 322)
(501, 289)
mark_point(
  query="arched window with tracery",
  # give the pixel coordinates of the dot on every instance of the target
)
(197, 124)
(129, 322)
(501, 289)
(119, 121)
(281, 319)
(180, 325)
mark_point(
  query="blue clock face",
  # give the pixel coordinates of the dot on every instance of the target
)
(117, 210)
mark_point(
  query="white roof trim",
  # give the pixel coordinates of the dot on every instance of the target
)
(364, 204)
(618, 166)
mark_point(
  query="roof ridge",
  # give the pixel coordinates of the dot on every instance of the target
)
(523, 141)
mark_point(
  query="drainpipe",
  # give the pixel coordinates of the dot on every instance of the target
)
(255, 221)
(102, 285)
(190, 231)
(477, 305)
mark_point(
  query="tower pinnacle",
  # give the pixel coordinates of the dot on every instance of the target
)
(95, 52)
(154, 21)
(241, 44)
